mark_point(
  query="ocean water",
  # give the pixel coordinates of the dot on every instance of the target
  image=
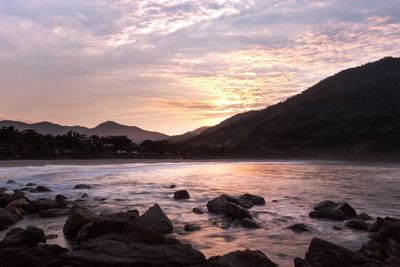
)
(294, 187)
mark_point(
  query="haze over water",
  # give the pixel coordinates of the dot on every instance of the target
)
(296, 186)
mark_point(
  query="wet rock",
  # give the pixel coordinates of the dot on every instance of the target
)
(235, 211)
(129, 250)
(7, 198)
(51, 236)
(40, 189)
(246, 258)
(326, 204)
(331, 210)
(30, 184)
(77, 218)
(51, 213)
(44, 204)
(358, 224)
(18, 193)
(217, 205)
(18, 237)
(60, 198)
(172, 186)
(100, 199)
(299, 228)
(21, 203)
(364, 216)
(128, 216)
(7, 217)
(224, 222)
(249, 223)
(83, 186)
(299, 262)
(327, 214)
(191, 227)
(38, 256)
(85, 195)
(253, 199)
(346, 209)
(11, 182)
(155, 220)
(197, 210)
(181, 194)
(337, 227)
(3, 190)
(322, 253)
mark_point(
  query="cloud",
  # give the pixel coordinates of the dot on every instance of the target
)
(176, 65)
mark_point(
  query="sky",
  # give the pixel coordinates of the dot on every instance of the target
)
(175, 65)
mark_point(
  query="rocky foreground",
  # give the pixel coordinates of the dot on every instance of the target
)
(130, 239)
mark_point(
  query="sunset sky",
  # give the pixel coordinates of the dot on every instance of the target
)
(173, 66)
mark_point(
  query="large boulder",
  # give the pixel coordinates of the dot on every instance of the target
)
(44, 204)
(8, 218)
(235, 211)
(246, 258)
(217, 205)
(38, 256)
(21, 203)
(155, 220)
(322, 253)
(253, 199)
(328, 209)
(126, 250)
(18, 237)
(358, 224)
(77, 218)
(83, 186)
(181, 194)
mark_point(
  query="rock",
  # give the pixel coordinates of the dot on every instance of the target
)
(129, 250)
(21, 203)
(181, 194)
(235, 211)
(172, 186)
(51, 213)
(388, 227)
(30, 184)
(191, 227)
(7, 217)
(346, 209)
(51, 236)
(82, 186)
(364, 216)
(327, 214)
(77, 218)
(85, 195)
(326, 204)
(358, 224)
(60, 198)
(38, 256)
(44, 204)
(18, 193)
(6, 198)
(331, 210)
(155, 220)
(253, 199)
(224, 222)
(249, 223)
(299, 262)
(197, 210)
(217, 205)
(246, 258)
(322, 253)
(18, 237)
(3, 190)
(299, 228)
(11, 182)
(100, 199)
(40, 189)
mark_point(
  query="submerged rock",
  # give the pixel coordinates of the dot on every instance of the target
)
(253, 199)
(82, 186)
(299, 228)
(358, 224)
(217, 205)
(249, 223)
(246, 258)
(50, 213)
(40, 189)
(224, 222)
(191, 227)
(11, 182)
(181, 194)
(18, 237)
(155, 220)
(197, 210)
(60, 198)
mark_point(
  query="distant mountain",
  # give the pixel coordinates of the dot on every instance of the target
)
(356, 111)
(136, 134)
(186, 136)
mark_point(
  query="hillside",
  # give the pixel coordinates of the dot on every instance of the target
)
(136, 134)
(355, 111)
(186, 136)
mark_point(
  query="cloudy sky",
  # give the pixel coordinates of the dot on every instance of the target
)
(175, 65)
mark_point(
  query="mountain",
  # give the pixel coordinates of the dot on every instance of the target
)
(107, 128)
(356, 111)
(186, 136)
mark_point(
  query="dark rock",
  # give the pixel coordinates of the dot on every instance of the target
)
(181, 194)
(3, 190)
(83, 186)
(249, 223)
(388, 227)
(7, 198)
(172, 186)
(246, 258)
(299, 262)
(128, 250)
(358, 224)
(192, 227)
(40, 189)
(326, 204)
(299, 228)
(51, 213)
(77, 218)
(155, 220)
(337, 227)
(51, 236)
(18, 237)
(44, 204)
(217, 205)
(235, 211)
(197, 210)
(346, 209)
(364, 216)
(128, 216)
(11, 182)
(60, 198)
(18, 193)
(7, 217)
(39, 256)
(100, 199)
(328, 209)
(327, 214)
(21, 203)
(274, 200)
(85, 195)
(253, 199)
(322, 253)
(30, 184)
(224, 222)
